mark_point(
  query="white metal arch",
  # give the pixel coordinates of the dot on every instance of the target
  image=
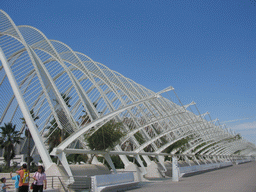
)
(41, 70)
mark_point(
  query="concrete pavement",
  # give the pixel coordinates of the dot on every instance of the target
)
(237, 178)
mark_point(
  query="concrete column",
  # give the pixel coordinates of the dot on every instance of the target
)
(110, 162)
(175, 169)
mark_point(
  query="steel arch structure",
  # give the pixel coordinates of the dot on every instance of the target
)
(38, 77)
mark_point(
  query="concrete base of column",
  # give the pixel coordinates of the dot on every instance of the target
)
(138, 174)
(154, 170)
(95, 161)
(55, 170)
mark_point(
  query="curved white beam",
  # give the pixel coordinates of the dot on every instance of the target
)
(53, 68)
(80, 132)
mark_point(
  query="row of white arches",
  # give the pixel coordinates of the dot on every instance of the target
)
(46, 78)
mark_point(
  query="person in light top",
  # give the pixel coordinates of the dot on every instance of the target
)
(40, 180)
(17, 179)
(4, 186)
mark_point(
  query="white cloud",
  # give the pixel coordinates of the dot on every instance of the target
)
(244, 126)
(247, 131)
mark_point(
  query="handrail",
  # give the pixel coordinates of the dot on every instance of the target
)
(66, 181)
(62, 185)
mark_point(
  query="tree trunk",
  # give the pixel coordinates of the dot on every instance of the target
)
(62, 135)
(8, 157)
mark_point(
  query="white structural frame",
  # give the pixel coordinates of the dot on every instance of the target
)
(70, 92)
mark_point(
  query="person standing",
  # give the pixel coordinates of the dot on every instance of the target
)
(40, 180)
(4, 186)
(24, 178)
(17, 179)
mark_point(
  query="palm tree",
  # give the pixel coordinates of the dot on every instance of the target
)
(28, 135)
(85, 118)
(66, 99)
(106, 136)
(9, 137)
(55, 134)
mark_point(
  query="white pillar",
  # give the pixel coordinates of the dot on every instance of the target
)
(175, 169)
(110, 162)
(137, 157)
(64, 162)
(26, 113)
(123, 158)
(161, 161)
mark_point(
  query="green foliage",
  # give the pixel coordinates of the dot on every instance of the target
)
(115, 159)
(77, 158)
(28, 135)
(180, 144)
(164, 140)
(33, 167)
(139, 138)
(117, 162)
(9, 137)
(33, 116)
(133, 159)
(66, 99)
(106, 136)
(55, 134)
(6, 169)
(238, 136)
(205, 148)
(31, 159)
(167, 158)
(199, 146)
(84, 118)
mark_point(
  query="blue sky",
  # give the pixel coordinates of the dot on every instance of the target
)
(204, 49)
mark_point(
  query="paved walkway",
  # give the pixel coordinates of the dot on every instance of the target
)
(237, 178)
